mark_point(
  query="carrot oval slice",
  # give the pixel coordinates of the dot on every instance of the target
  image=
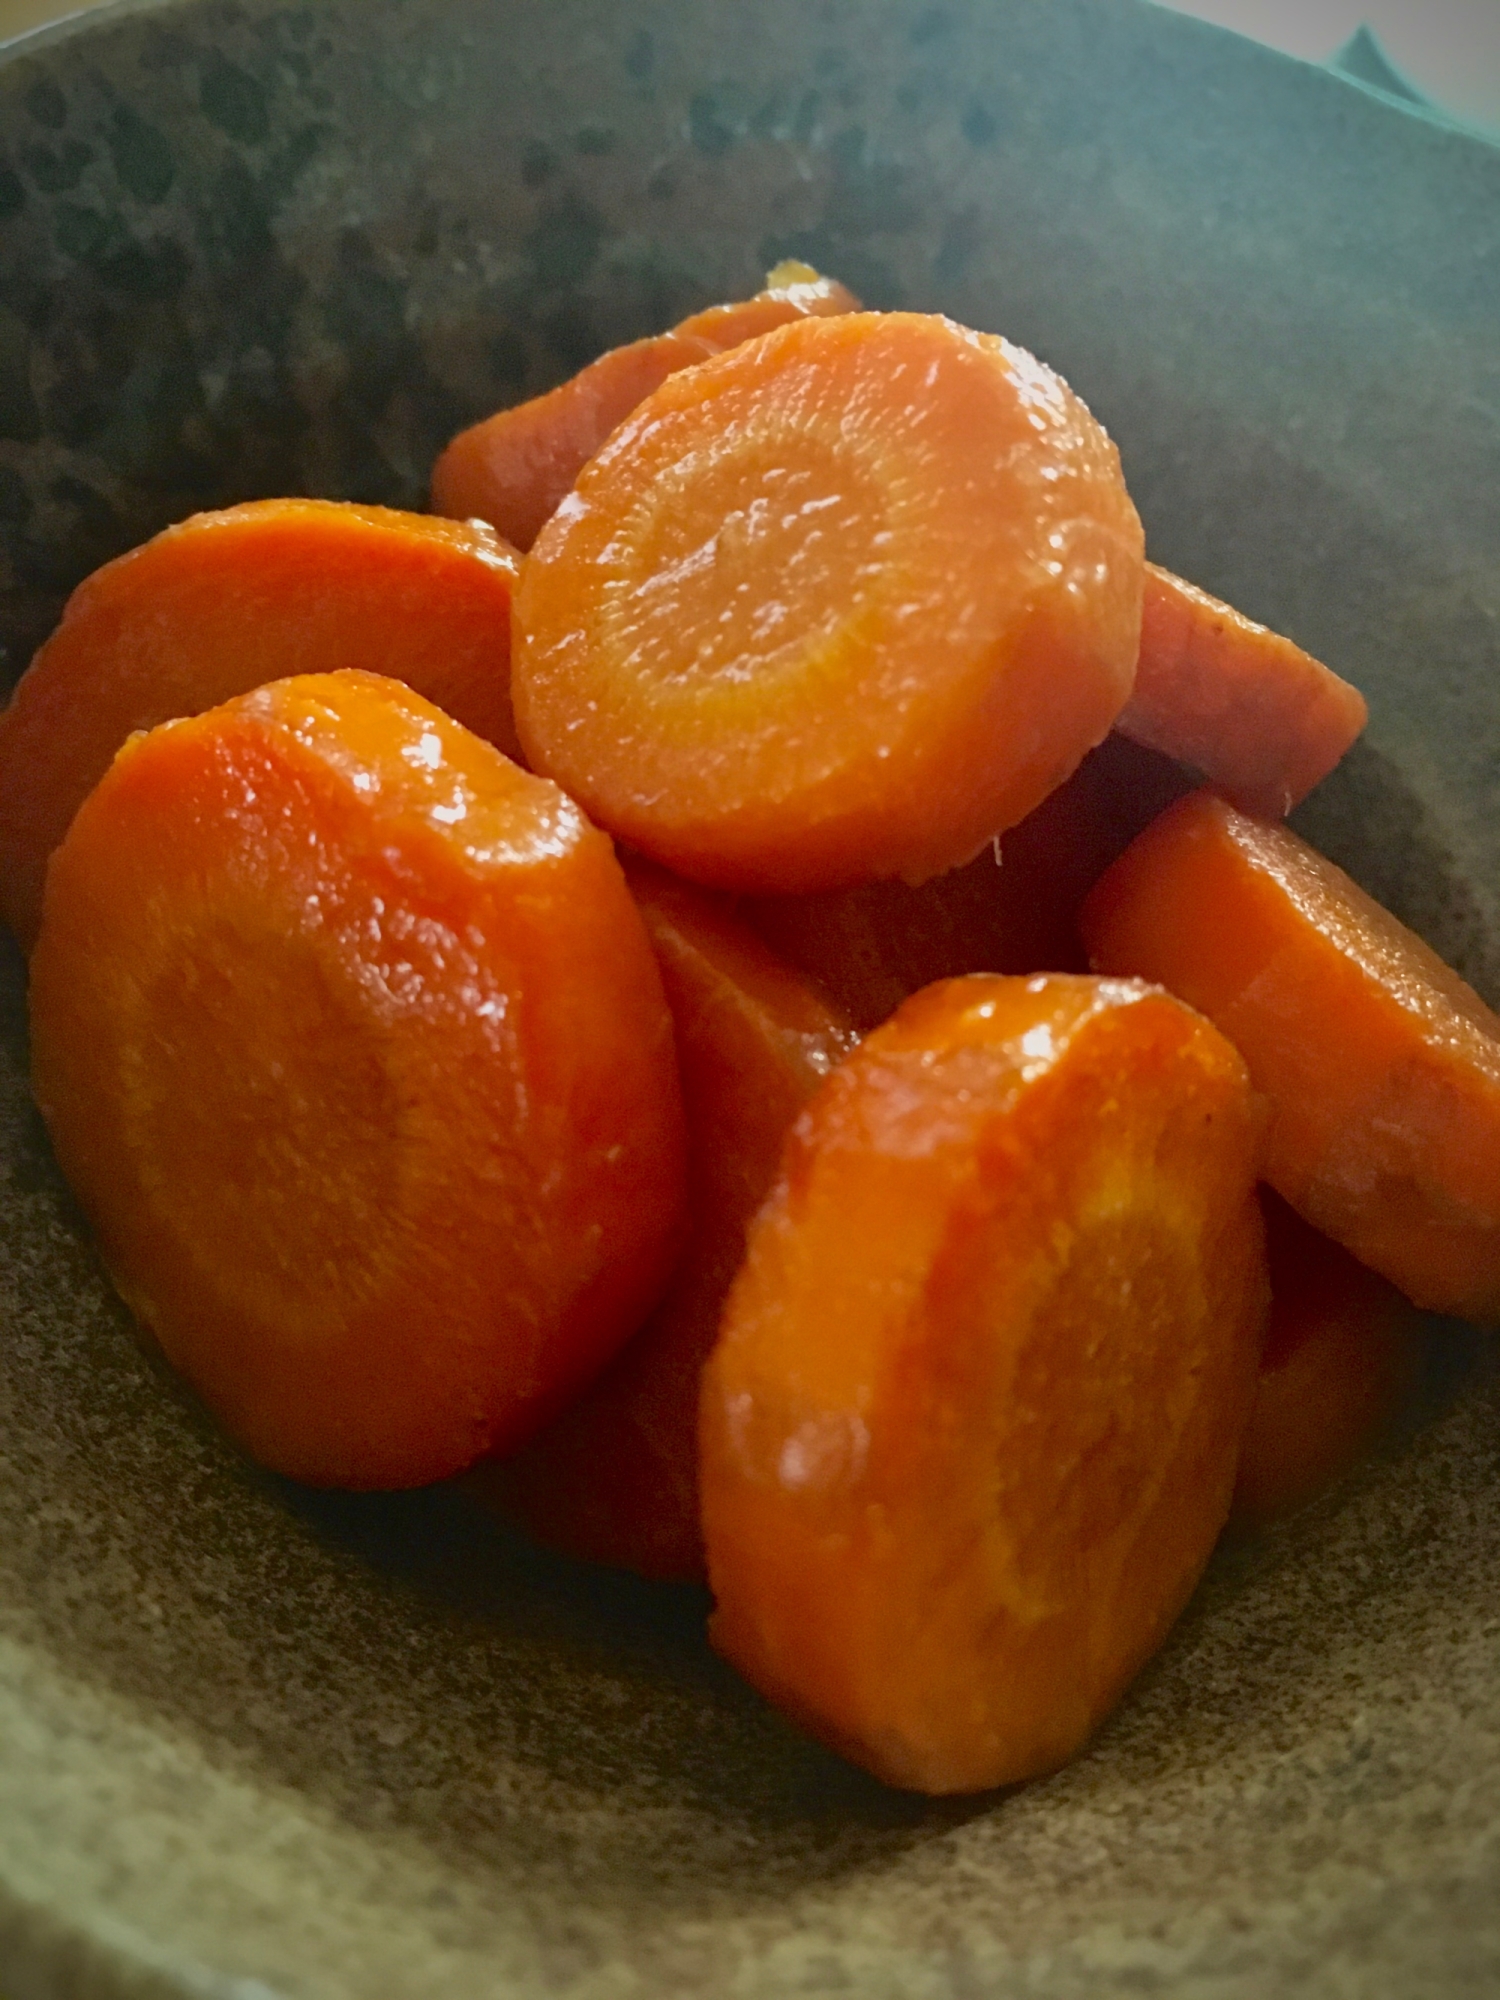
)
(1381, 1067)
(1252, 713)
(615, 1478)
(971, 1426)
(840, 604)
(1342, 1355)
(352, 1045)
(515, 467)
(222, 602)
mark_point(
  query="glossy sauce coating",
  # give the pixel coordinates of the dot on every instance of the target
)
(972, 1423)
(841, 604)
(222, 602)
(515, 468)
(1343, 1353)
(1380, 1066)
(351, 1043)
(1013, 908)
(615, 1479)
(1247, 709)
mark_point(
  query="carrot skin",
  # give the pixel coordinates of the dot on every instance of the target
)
(223, 602)
(1011, 911)
(1259, 719)
(353, 1048)
(615, 1478)
(840, 604)
(1342, 1356)
(1380, 1066)
(971, 1425)
(514, 469)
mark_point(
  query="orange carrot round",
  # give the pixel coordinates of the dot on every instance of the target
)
(1013, 908)
(840, 604)
(515, 467)
(1257, 717)
(1381, 1067)
(222, 602)
(615, 1478)
(971, 1427)
(352, 1045)
(1342, 1355)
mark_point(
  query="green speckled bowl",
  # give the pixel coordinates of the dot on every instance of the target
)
(257, 1743)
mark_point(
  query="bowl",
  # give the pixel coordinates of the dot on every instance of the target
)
(256, 1741)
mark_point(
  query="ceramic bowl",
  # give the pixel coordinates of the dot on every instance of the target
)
(255, 1742)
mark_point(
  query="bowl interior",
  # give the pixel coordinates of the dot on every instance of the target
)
(373, 1746)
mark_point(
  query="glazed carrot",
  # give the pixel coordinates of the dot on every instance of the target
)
(1015, 911)
(615, 1478)
(514, 468)
(1342, 1354)
(219, 604)
(1260, 719)
(971, 1426)
(352, 1046)
(840, 604)
(1381, 1067)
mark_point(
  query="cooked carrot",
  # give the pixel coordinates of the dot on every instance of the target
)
(514, 468)
(840, 604)
(1260, 719)
(352, 1045)
(615, 1478)
(1011, 911)
(971, 1426)
(219, 604)
(1381, 1067)
(1342, 1355)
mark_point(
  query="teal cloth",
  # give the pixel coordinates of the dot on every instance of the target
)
(1364, 62)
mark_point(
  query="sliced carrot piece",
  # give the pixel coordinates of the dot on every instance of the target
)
(615, 1478)
(1260, 719)
(219, 604)
(1015, 910)
(514, 468)
(1342, 1355)
(1382, 1068)
(352, 1045)
(841, 604)
(971, 1427)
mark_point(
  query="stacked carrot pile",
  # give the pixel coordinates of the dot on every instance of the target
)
(858, 1188)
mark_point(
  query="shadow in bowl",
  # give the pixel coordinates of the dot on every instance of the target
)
(402, 1658)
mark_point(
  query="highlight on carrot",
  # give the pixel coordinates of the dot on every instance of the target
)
(1013, 908)
(971, 1427)
(366, 1084)
(223, 602)
(514, 468)
(1259, 719)
(615, 1478)
(841, 604)
(1381, 1067)
(1343, 1354)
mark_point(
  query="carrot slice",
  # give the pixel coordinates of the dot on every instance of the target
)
(971, 1427)
(615, 1478)
(514, 468)
(219, 604)
(1260, 719)
(352, 1045)
(840, 604)
(1015, 910)
(1381, 1066)
(1342, 1354)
